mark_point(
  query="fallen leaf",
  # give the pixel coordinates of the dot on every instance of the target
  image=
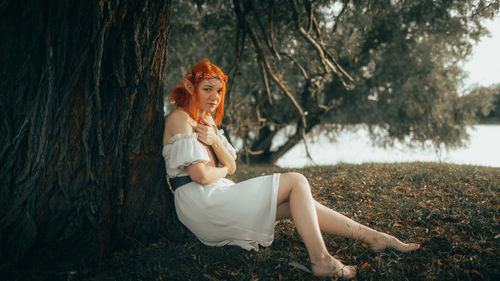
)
(478, 273)
(365, 265)
(299, 266)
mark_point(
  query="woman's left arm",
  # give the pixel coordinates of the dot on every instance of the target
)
(208, 135)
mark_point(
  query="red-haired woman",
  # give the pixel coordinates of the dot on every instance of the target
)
(220, 212)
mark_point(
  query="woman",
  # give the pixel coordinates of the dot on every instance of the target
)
(220, 212)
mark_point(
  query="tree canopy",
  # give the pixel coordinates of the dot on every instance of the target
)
(392, 65)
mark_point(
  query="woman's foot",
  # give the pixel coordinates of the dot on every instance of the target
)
(383, 241)
(333, 268)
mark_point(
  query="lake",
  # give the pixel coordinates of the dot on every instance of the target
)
(354, 146)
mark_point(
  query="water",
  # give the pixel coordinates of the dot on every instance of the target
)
(356, 147)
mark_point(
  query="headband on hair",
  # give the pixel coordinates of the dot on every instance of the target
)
(205, 75)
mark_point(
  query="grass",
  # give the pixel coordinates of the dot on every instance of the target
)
(452, 210)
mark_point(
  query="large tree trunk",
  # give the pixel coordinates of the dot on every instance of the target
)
(82, 86)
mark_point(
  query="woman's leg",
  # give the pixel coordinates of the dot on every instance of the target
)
(294, 191)
(335, 223)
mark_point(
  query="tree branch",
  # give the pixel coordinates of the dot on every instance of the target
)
(293, 140)
(266, 82)
(266, 39)
(328, 62)
(301, 68)
(271, 30)
(239, 51)
(269, 71)
(309, 10)
(262, 59)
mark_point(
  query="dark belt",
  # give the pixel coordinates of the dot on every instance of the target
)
(177, 182)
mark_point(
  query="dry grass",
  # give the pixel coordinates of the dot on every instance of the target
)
(452, 210)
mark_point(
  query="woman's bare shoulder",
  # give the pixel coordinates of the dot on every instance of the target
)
(178, 122)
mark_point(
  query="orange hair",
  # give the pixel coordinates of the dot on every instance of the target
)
(202, 70)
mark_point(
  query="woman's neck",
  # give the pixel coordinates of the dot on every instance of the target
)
(201, 116)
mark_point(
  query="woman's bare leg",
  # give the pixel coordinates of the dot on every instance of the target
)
(295, 191)
(335, 223)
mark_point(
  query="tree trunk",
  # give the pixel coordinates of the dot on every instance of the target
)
(82, 86)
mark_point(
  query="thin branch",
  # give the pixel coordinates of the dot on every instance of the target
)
(301, 68)
(339, 67)
(261, 27)
(266, 81)
(271, 29)
(239, 51)
(311, 40)
(328, 62)
(304, 134)
(269, 71)
(326, 108)
(267, 67)
(249, 151)
(239, 45)
(318, 31)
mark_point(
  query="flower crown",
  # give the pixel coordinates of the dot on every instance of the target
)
(205, 75)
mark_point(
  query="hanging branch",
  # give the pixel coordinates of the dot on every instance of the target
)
(339, 68)
(309, 10)
(266, 81)
(269, 44)
(301, 68)
(327, 60)
(317, 30)
(271, 29)
(322, 44)
(262, 59)
(266, 70)
(240, 44)
(240, 32)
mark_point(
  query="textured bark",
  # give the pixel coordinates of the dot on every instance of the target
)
(82, 86)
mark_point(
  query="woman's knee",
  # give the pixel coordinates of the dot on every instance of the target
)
(295, 180)
(290, 182)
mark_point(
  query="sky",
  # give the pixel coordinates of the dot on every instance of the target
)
(484, 65)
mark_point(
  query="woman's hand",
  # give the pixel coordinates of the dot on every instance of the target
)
(206, 134)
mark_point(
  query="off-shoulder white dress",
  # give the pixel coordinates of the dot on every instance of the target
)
(223, 213)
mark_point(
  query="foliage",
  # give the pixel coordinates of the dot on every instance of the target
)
(390, 64)
(487, 99)
(451, 210)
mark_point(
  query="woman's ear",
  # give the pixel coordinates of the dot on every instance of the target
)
(188, 85)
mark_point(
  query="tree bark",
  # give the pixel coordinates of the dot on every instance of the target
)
(81, 111)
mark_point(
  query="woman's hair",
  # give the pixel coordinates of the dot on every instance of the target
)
(204, 69)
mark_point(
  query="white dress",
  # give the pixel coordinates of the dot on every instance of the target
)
(222, 213)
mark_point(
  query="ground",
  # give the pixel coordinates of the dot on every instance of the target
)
(452, 210)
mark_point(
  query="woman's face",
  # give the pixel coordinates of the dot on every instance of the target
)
(210, 94)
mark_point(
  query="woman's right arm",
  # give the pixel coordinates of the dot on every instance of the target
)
(205, 174)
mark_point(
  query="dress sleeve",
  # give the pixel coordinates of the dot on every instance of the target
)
(183, 150)
(226, 143)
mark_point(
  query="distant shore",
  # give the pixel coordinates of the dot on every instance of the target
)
(490, 121)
